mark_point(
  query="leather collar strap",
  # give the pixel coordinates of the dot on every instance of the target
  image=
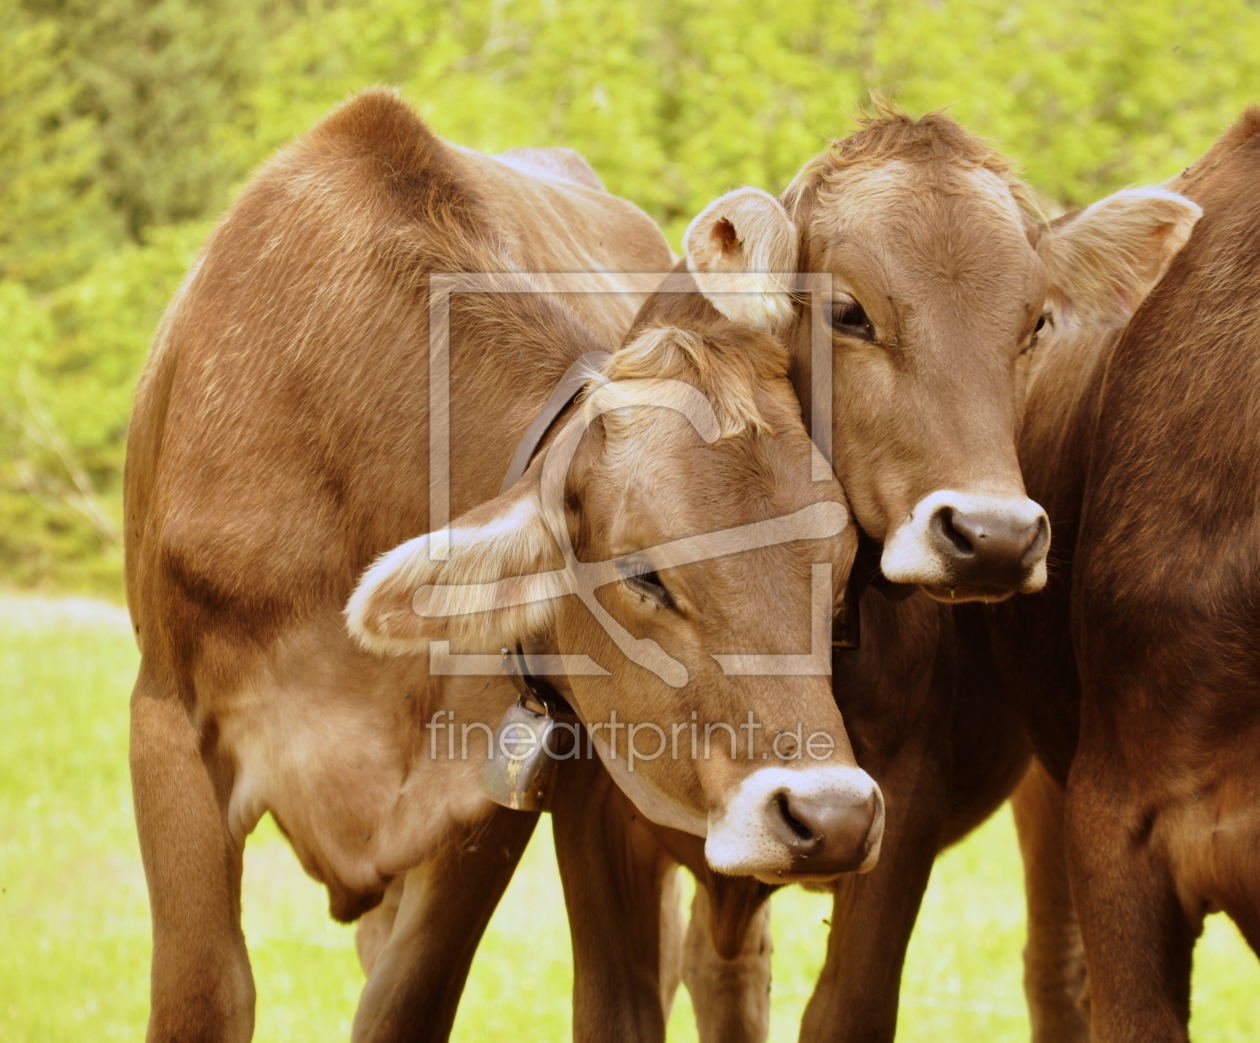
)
(574, 380)
(531, 688)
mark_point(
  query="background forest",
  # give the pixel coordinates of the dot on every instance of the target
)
(126, 126)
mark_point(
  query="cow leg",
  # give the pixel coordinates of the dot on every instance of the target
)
(615, 873)
(442, 908)
(372, 932)
(202, 990)
(1054, 962)
(730, 996)
(873, 914)
(1138, 937)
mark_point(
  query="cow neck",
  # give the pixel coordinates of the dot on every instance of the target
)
(533, 689)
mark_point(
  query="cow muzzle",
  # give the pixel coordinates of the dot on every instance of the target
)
(786, 825)
(961, 547)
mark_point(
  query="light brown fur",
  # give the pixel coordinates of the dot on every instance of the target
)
(940, 274)
(928, 229)
(889, 135)
(278, 446)
(911, 742)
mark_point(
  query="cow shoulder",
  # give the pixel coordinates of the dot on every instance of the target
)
(1169, 543)
(1243, 133)
(285, 386)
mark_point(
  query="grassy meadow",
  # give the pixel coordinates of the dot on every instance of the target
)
(74, 933)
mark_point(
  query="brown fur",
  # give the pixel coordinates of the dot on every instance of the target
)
(889, 134)
(728, 363)
(907, 216)
(1239, 135)
(922, 699)
(926, 228)
(357, 267)
(278, 444)
(1150, 450)
(923, 706)
(944, 744)
(1161, 800)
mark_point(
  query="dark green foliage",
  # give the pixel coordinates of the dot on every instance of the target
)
(52, 217)
(164, 82)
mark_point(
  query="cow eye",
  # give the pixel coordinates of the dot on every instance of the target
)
(645, 584)
(1041, 324)
(849, 318)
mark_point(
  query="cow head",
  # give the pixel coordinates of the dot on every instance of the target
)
(941, 281)
(679, 532)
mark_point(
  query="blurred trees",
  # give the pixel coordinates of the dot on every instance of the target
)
(49, 207)
(126, 124)
(162, 81)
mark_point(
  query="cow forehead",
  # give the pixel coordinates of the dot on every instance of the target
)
(898, 227)
(668, 472)
(653, 437)
(666, 483)
(860, 192)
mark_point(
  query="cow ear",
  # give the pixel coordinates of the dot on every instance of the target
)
(742, 252)
(1105, 259)
(498, 581)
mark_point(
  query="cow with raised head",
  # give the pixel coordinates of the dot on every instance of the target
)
(675, 524)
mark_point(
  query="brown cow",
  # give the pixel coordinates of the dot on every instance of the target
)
(942, 283)
(1140, 673)
(277, 447)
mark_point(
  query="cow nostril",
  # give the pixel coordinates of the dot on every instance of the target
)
(794, 824)
(1037, 545)
(944, 526)
(825, 833)
(990, 547)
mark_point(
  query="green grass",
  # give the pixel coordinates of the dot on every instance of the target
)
(74, 935)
